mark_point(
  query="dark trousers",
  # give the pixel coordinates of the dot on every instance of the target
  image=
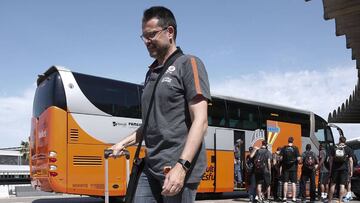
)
(275, 183)
(275, 187)
(307, 174)
(251, 185)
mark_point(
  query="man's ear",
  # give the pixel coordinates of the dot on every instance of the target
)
(171, 32)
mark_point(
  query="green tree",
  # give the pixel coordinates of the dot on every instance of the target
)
(25, 150)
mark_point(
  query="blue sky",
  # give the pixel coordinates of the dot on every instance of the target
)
(282, 51)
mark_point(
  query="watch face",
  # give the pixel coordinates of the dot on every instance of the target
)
(187, 164)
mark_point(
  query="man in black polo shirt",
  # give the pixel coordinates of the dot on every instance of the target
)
(341, 163)
(178, 118)
(290, 158)
(262, 168)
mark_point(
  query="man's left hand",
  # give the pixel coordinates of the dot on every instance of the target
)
(174, 181)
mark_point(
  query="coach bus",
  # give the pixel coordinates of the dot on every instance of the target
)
(76, 116)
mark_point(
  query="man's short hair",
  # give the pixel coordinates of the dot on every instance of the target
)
(342, 139)
(291, 140)
(308, 147)
(165, 16)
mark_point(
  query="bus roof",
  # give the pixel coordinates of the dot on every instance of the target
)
(49, 71)
(268, 105)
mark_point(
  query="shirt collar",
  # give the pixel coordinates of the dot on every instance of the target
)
(155, 65)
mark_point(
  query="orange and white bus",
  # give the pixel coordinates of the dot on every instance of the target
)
(76, 116)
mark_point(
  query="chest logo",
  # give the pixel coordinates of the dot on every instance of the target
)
(170, 69)
(166, 79)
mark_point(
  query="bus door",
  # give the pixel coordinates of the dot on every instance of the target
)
(224, 160)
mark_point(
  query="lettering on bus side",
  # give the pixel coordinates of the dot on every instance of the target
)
(209, 173)
(81, 185)
(118, 124)
(134, 124)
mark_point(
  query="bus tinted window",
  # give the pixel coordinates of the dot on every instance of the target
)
(303, 119)
(242, 116)
(113, 97)
(216, 110)
(49, 92)
(287, 116)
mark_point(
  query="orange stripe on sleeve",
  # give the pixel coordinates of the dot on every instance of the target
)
(196, 75)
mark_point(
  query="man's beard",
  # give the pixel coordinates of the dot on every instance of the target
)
(160, 52)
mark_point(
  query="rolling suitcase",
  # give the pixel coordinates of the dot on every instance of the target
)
(107, 153)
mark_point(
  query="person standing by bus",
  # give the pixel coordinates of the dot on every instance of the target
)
(310, 164)
(348, 195)
(341, 163)
(276, 173)
(178, 118)
(238, 163)
(324, 171)
(290, 157)
(262, 169)
(251, 182)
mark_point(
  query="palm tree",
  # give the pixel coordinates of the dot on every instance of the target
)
(24, 150)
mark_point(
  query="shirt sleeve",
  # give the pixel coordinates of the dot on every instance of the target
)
(350, 152)
(195, 79)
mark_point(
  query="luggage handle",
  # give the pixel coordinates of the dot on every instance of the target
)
(107, 153)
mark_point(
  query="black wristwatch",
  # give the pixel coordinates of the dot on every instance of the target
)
(185, 164)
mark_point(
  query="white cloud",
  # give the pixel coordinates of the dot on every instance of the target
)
(15, 117)
(320, 92)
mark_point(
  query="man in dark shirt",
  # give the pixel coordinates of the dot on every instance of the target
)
(324, 171)
(290, 157)
(174, 137)
(262, 168)
(250, 175)
(276, 173)
(310, 164)
(341, 166)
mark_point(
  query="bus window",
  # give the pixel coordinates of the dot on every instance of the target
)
(329, 136)
(242, 116)
(323, 132)
(320, 134)
(116, 98)
(50, 92)
(216, 113)
(300, 118)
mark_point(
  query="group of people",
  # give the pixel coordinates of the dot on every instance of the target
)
(265, 170)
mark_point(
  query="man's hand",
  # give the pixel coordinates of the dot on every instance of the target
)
(118, 150)
(174, 181)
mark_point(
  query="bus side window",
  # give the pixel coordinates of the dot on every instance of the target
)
(242, 116)
(216, 113)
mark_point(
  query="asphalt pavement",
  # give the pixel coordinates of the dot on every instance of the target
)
(228, 198)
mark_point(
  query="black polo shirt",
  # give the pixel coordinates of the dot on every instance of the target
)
(169, 119)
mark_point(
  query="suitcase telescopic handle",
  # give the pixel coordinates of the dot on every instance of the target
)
(107, 153)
